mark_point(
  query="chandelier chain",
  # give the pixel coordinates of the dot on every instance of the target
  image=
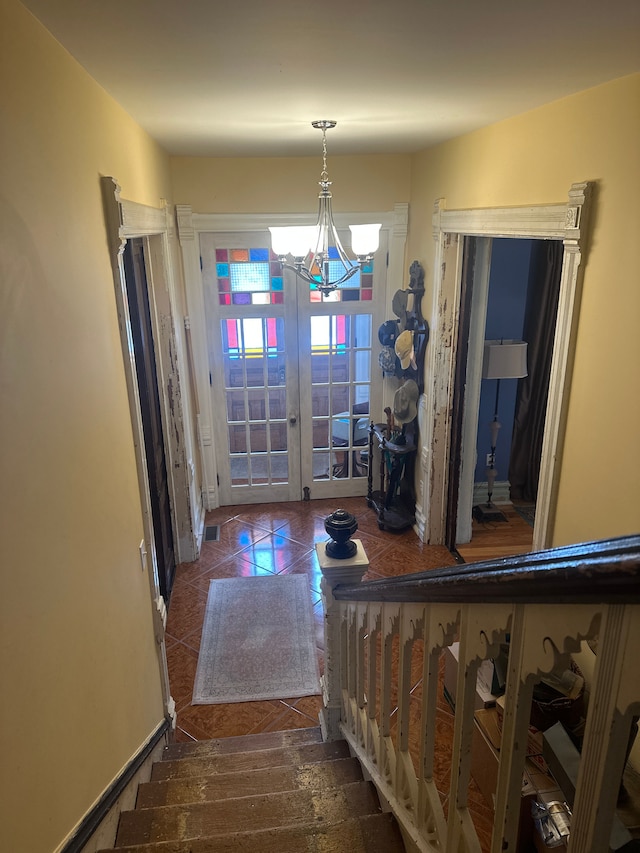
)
(324, 175)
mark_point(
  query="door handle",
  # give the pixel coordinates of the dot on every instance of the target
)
(293, 420)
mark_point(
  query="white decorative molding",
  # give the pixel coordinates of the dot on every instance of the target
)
(237, 222)
(204, 431)
(562, 221)
(184, 221)
(541, 221)
(160, 620)
(420, 523)
(127, 220)
(400, 226)
(139, 220)
(210, 498)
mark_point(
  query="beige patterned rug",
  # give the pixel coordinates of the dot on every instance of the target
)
(258, 641)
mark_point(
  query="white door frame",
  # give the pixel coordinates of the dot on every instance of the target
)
(126, 220)
(563, 221)
(190, 226)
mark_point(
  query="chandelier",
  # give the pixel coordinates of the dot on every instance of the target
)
(319, 257)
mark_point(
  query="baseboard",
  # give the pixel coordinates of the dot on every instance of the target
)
(420, 524)
(501, 492)
(97, 830)
(198, 529)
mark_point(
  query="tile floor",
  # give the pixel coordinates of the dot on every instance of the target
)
(279, 539)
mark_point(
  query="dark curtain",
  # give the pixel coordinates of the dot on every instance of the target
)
(531, 401)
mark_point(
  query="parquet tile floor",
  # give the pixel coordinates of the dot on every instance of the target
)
(274, 539)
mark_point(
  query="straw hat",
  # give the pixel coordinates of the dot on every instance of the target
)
(405, 402)
(404, 348)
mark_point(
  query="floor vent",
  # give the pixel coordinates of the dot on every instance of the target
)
(212, 533)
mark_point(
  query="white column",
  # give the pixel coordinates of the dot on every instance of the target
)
(335, 572)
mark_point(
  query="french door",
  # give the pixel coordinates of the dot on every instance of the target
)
(292, 383)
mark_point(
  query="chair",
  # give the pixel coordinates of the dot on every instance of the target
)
(347, 430)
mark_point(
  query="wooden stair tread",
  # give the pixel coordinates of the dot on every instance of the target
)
(237, 761)
(265, 811)
(244, 783)
(243, 743)
(377, 833)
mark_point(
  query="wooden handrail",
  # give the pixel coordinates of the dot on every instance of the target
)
(605, 571)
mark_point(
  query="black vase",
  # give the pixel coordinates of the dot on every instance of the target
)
(341, 526)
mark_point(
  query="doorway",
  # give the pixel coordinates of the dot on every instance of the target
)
(150, 406)
(290, 373)
(509, 291)
(560, 221)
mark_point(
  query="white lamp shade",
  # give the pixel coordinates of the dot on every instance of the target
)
(504, 360)
(296, 240)
(365, 239)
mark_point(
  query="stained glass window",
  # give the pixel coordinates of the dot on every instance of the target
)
(248, 277)
(355, 289)
(254, 277)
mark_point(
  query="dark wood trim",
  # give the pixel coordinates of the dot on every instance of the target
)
(94, 818)
(604, 571)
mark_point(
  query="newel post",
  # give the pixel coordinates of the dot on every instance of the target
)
(342, 561)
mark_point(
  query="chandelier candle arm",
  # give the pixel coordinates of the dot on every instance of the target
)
(310, 246)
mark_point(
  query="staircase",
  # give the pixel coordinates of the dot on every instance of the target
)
(283, 792)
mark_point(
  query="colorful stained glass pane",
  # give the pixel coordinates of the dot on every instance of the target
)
(272, 335)
(276, 269)
(368, 267)
(277, 298)
(336, 270)
(366, 295)
(242, 299)
(350, 295)
(249, 277)
(260, 299)
(232, 333)
(222, 270)
(333, 252)
(222, 255)
(276, 283)
(367, 280)
(258, 254)
(225, 299)
(239, 255)
(224, 285)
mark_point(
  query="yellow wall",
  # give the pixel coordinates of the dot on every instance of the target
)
(79, 675)
(533, 159)
(290, 185)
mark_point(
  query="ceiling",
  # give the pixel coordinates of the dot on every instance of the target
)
(246, 77)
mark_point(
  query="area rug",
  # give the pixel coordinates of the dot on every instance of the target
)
(526, 511)
(258, 641)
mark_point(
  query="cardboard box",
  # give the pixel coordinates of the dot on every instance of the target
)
(484, 770)
(484, 697)
(534, 739)
(485, 755)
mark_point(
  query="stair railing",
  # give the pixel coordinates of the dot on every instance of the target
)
(380, 634)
